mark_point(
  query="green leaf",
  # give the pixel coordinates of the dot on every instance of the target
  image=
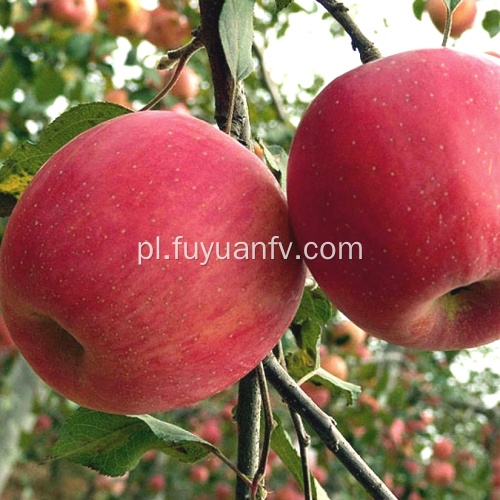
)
(283, 447)
(114, 444)
(20, 167)
(48, 84)
(336, 385)
(282, 4)
(277, 160)
(419, 8)
(236, 33)
(79, 46)
(10, 78)
(491, 22)
(314, 306)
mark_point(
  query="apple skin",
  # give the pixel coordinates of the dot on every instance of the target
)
(5, 337)
(440, 473)
(127, 18)
(462, 19)
(401, 155)
(78, 13)
(120, 337)
(443, 449)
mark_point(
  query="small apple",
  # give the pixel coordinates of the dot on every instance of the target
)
(168, 29)
(393, 166)
(443, 449)
(127, 18)
(78, 13)
(440, 473)
(156, 483)
(118, 96)
(462, 19)
(336, 365)
(180, 108)
(114, 485)
(199, 474)
(347, 336)
(187, 85)
(127, 278)
(319, 394)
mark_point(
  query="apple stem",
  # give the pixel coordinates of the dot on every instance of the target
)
(326, 429)
(448, 24)
(177, 58)
(367, 50)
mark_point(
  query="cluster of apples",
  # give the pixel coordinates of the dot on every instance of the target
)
(440, 471)
(165, 27)
(400, 155)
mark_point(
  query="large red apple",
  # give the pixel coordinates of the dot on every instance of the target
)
(462, 19)
(118, 334)
(402, 156)
(78, 13)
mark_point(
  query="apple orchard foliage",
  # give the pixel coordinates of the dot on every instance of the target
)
(410, 400)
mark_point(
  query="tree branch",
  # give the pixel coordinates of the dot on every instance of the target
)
(325, 428)
(231, 111)
(248, 419)
(367, 50)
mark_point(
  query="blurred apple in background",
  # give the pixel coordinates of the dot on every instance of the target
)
(463, 16)
(78, 13)
(168, 29)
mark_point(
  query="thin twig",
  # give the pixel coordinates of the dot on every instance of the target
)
(304, 441)
(367, 50)
(248, 419)
(177, 58)
(325, 428)
(268, 82)
(269, 425)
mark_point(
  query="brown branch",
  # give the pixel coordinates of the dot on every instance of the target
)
(230, 101)
(325, 428)
(367, 50)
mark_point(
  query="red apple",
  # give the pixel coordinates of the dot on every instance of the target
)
(78, 13)
(440, 473)
(463, 16)
(319, 394)
(156, 482)
(87, 290)
(443, 449)
(199, 474)
(399, 158)
(168, 29)
(347, 336)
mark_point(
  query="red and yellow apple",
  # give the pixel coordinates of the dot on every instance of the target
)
(462, 19)
(347, 336)
(168, 29)
(127, 18)
(396, 166)
(123, 334)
